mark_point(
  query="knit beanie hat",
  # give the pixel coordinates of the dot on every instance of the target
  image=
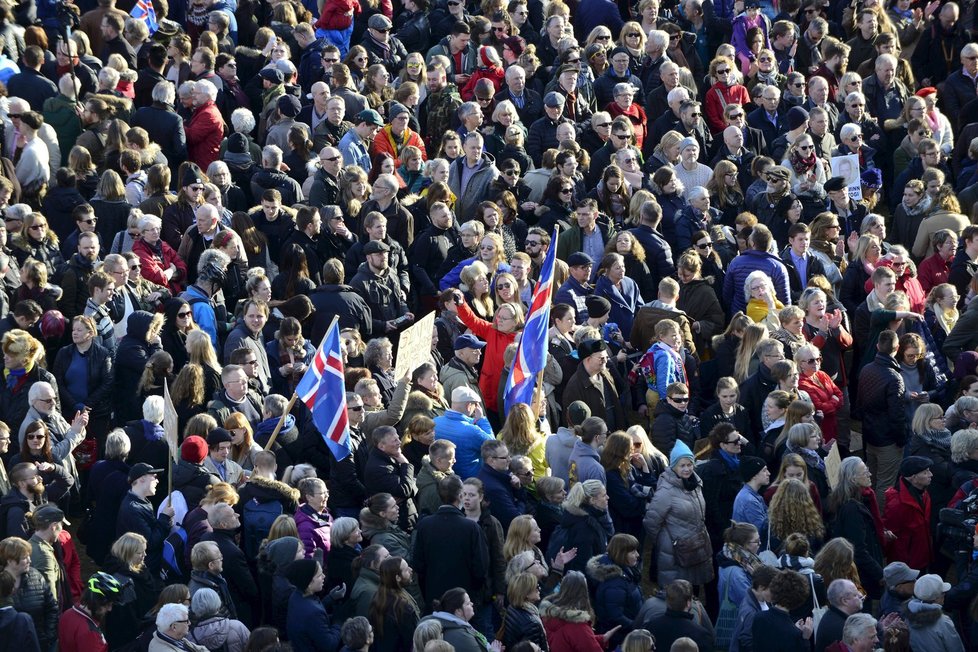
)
(193, 449)
(750, 466)
(191, 176)
(300, 573)
(282, 551)
(680, 451)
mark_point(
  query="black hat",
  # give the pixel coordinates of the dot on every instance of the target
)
(834, 184)
(376, 247)
(273, 75)
(579, 259)
(237, 143)
(300, 573)
(139, 470)
(191, 176)
(47, 515)
(796, 117)
(750, 466)
(218, 436)
(590, 347)
(288, 105)
(914, 464)
(597, 306)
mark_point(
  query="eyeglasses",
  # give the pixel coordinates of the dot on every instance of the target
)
(184, 315)
(511, 173)
(38, 227)
(533, 243)
(806, 148)
(135, 268)
(735, 116)
(566, 191)
(603, 125)
(725, 71)
(330, 159)
(503, 286)
(797, 84)
(91, 220)
(501, 457)
(606, 37)
(488, 247)
(577, 60)
(856, 137)
(695, 115)
(355, 408)
(620, 136)
(632, 35)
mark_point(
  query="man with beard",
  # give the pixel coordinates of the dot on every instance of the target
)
(95, 119)
(378, 283)
(80, 267)
(25, 496)
(835, 59)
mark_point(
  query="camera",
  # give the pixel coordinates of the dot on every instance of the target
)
(956, 528)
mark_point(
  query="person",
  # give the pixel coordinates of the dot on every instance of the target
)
(930, 627)
(465, 426)
(749, 505)
(880, 398)
(207, 564)
(173, 630)
(907, 513)
(774, 629)
(742, 636)
(224, 522)
(854, 514)
(678, 621)
(616, 574)
(107, 486)
(568, 618)
(30, 593)
(675, 520)
(136, 513)
(308, 625)
(393, 611)
(213, 630)
(593, 384)
(126, 562)
(844, 600)
(312, 519)
(503, 489)
(80, 627)
(14, 624)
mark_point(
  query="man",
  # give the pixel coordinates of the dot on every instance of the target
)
(325, 117)
(861, 44)
(677, 621)
(173, 629)
(756, 257)
(859, 133)
(928, 593)
(43, 402)
(959, 87)
(46, 553)
(749, 505)
(225, 523)
(850, 213)
(618, 72)
(664, 306)
(880, 399)
(382, 47)
(537, 244)
(272, 218)
(754, 390)
(835, 59)
(399, 221)
(465, 426)
(387, 470)
(439, 109)
(528, 103)
(248, 334)
(207, 566)
(945, 35)
(798, 259)
(584, 461)
(586, 235)
(199, 238)
(470, 176)
(29, 83)
(795, 125)
(354, 145)
(202, 68)
(767, 117)
(657, 249)
(95, 120)
(218, 459)
(656, 102)
(149, 75)
(593, 384)
(576, 289)
(907, 513)
(784, 43)
(592, 13)
(885, 94)
(74, 279)
(162, 123)
(308, 225)
(845, 600)
(542, 134)
(26, 495)
(461, 370)
(618, 133)
(205, 130)
(502, 488)
(579, 101)
(136, 513)
(809, 54)
(735, 115)
(210, 315)
(691, 124)
(310, 61)
(732, 149)
(449, 549)
(379, 283)
(271, 177)
(235, 397)
(430, 249)
(461, 54)
(287, 108)
(818, 97)
(113, 43)
(668, 119)
(819, 128)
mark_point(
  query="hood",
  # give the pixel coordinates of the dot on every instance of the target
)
(565, 437)
(185, 472)
(419, 401)
(170, 310)
(14, 497)
(286, 435)
(600, 568)
(212, 633)
(550, 610)
(372, 525)
(138, 325)
(923, 614)
(274, 487)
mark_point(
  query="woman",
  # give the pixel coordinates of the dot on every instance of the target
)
(160, 262)
(725, 191)
(725, 90)
(312, 519)
(200, 352)
(774, 413)
(307, 623)
(410, 170)
(613, 194)
(737, 561)
(474, 280)
(84, 373)
(939, 124)
(865, 258)
(746, 355)
(762, 304)
(497, 334)
(35, 287)
(621, 291)
(107, 485)
(931, 439)
(569, 620)
(453, 611)
(855, 515)
(585, 523)
(522, 436)
(794, 467)
(243, 446)
(675, 520)
(378, 519)
(127, 563)
(825, 394)
(696, 216)
(807, 175)
(393, 612)
(254, 244)
(293, 277)
(31, 595)
(627, 245)
(790, 334)
(727, 345)
(476, 508)
(521, 621)
(84, 171)
(178, 324)
(557, 205)
(805, 440)
(523, 538)
(110, 205)
(828, 332)
(36, 240)
(213, 196)
(623, 104)
(426, 397)
(289, 355)
(56, 470)
(913, 208)
(617, 576)
(792, 510)
(919, 378)
(212, 629)
(345, 547)
(630, 483)
(941, 312)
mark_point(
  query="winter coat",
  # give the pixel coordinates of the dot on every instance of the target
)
(478, 184)
(449, 551)
(625, 302)
(427, 499)
(505, 502)
(17, 626)
(108, 484)
(492, 358)
(741, 267)
(880, 399)
(99, 365)
(826, 396)
(700, 303)
(721, 483)
(309, 625)
(607, 405)
(676, 513)
(192, 480)
(854, 521)
(136, 515)
(671, 425)
(931, 629)
(569, 630)
(131, 356)
(36, 599)
(218, 632)
(585, 528)
(383, 474)
(909, 519)
(343, 302)
(459, 634)
(313, 529)
(13, 400)
(364, 590)
(523, 624)
(204, 132)
(774, 630)
(122, 623)
(617, 595)
(468, 437)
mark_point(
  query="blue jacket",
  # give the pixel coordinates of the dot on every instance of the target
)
(617, 596)
(585, 464)
(625, 302)
(668, 368)
(742, 639)
(573, 294)
(354, 150)
(591, 13)
(309, 626)
(733, 579)
(204, 315)
(749, 507)
(505, 503)
(741, 267)
(467, 435)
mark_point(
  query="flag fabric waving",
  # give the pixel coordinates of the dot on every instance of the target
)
(531, 354)
(144, 11)
(323, 392)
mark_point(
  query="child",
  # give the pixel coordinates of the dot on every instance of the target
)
(663, 364)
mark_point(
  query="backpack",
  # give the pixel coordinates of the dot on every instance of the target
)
(256, 521)
(173, 570)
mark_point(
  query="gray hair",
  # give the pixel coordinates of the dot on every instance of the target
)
(697, 192)
(658, 38)
(427, 630)
(69, 86)
(678, 94)
(117, 445)
(164, 92)
(205, 86)
(837, 591)
(150, 221)
(36, 390)
(467, 109)
(153, 409)
(169, 614)
(755, 276)
(243, 121)
(375, 348)
(519, 563)
(388, 180)
(856, 626)
(271, 156)
(216, 167)
(342, 528)
(187, 88)
(855, 95)
(108, 77)
(963, 442)
(205, 603)
(805, 352)
(849, 130)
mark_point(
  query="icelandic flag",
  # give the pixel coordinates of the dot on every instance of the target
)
(144, 11)
(531, 353)
(323, 391)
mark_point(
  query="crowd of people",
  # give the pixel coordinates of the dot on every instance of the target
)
(757, 428)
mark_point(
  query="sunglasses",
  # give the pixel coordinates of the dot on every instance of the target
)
(184, 315)
(503, 286)
(133, 268)
(38, 437)
(679, 399)
(805, 148)
(735, 116)
(38, 227)
(708, 245)
(603, 38)
(632, 35)
(91, 220)
(629, 160)
(511, 173)
(725, 71)
(814, 360)
(566, 191)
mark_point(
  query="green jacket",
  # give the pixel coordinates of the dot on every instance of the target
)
(59, 112)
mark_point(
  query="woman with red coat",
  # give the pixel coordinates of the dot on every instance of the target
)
(724, 91)
(498, 334)
(569, 620)
(907, 513)
(491, 68)
(935, 269)
(205, 129)
(160, 262)
(825, 394)
(624, 104)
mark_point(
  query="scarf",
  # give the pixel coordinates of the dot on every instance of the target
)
(732, 460)
(802, 165)
(946, 319)
(939, 438)
(869, 500)
(812, 458)
(906, 15)
(933, 120)
(15, 377)
(743, 557)
(922, 208)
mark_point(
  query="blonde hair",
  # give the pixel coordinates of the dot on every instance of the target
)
(129, 549)
(753, 335)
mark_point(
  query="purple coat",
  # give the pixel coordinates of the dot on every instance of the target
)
(313, 529)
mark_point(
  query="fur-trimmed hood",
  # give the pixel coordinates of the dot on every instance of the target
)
(276, 486)
(600, 568)
(923, 614)
(550, 610)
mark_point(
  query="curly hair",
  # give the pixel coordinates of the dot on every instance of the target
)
(792, 510)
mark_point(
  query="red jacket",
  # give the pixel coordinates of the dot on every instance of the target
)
(934, 270)
(906, 284)
(719, 96)
(567, 636)
(338, 14)
(492, 360)
(821, 388)
(384, 143)
(205, 131)
(909, 520)
(495, 74)
(636, 115)
(152, 266)
(77, 632)
(72, 565)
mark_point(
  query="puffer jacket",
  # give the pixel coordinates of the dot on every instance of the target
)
(192, 481)
(671, 425)
(36, 599)
(931, 629)
(460, 634)
(880, 400)
(217, 632)
(313, 529)
(523, 624)
(132, 354)
(569, 630)
(584, 528)
(617, 596)
(676, 513)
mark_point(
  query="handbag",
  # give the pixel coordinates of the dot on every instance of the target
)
(694, 550)
(726, 621)
(767, 556)
(818, 611)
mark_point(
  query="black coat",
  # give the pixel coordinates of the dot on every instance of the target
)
(165, 128)
(830, 628)
(753, 392)
(854, 522)
(341, 301)
(880, 400)
(108, 484)
(449, 551)
(674, 625)
(346, 489)
(241, 583)
(586, 529)
(192, 481)
(36, 599)
(522, 624)
(14, 404)
(122, 624)
(774, 630)
(99, 366)
(137, 515)
(721, 483)
(130, 361)
(384, 475)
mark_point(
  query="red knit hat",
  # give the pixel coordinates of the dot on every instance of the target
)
(194, 449)
(925, 91)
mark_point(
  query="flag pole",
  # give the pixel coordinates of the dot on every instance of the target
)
(550, 293)
(288, 408)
